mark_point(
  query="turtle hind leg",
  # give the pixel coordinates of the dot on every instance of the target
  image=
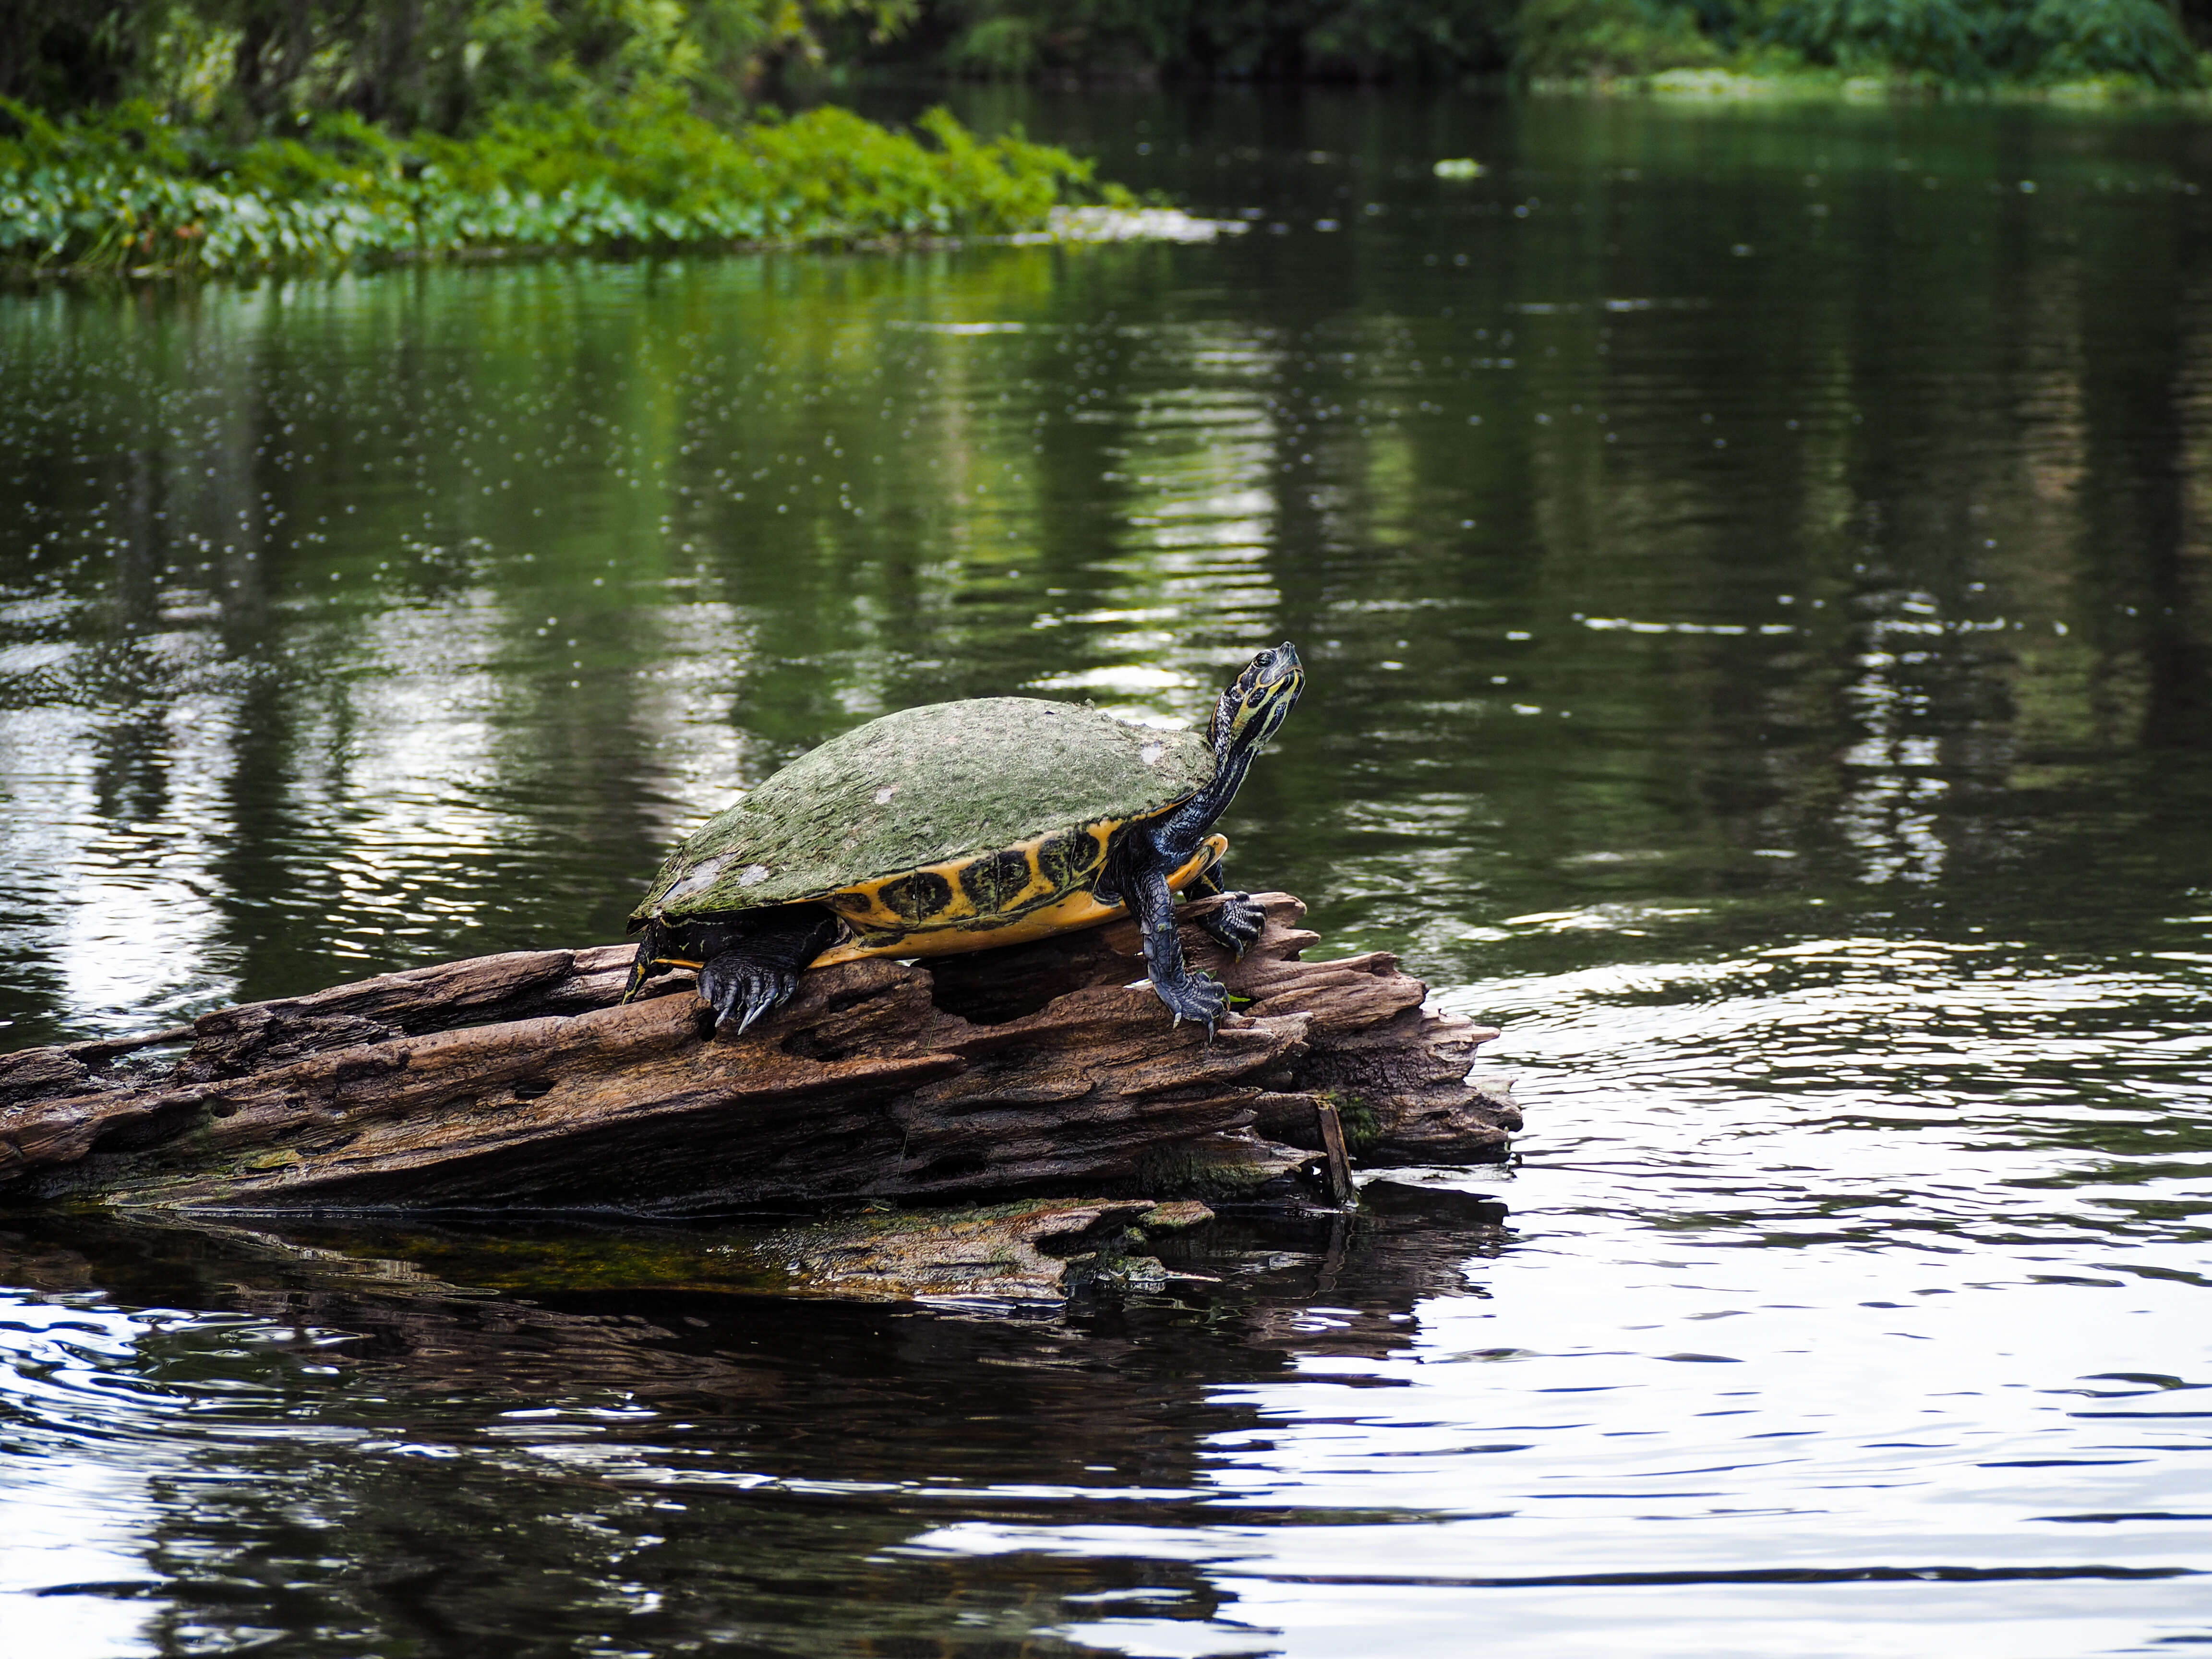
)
(758, 972)
(1237, 923)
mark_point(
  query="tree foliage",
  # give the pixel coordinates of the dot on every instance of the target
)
(1581, 39)
(1959, 42)
(440, 64)
(1275, 40)
(246, 67)
(1969, 42)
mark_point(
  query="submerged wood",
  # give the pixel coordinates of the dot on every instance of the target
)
(516, 1083)
(1030, 1250)
(1037, 1251)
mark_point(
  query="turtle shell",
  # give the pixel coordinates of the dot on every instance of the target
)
(958, 812)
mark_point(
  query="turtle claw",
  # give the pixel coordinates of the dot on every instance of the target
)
(745, 991)
(1236, 923)
(1202, 999)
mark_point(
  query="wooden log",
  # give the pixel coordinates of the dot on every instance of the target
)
(516, 1084)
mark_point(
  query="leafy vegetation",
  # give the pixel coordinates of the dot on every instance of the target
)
(234, 135)
(125, 189)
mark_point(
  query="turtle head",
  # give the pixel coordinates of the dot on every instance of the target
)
(1258, 701)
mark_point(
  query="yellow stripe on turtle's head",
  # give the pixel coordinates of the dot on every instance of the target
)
(1254, 707)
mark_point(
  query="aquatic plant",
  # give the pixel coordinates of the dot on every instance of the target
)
(125, 191)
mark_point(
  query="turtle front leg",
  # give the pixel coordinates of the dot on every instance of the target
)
(1237, 923)
(1188, 995)
(758, 973)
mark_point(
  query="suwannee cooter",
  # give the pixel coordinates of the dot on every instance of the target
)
(961, 826)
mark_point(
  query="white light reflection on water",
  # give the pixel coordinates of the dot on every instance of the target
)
(1812, 1325)
(1302, 1621)
(116, 820)
(75, 1525)
(1190, 585)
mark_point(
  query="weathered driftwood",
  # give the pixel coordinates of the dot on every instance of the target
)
(515, 1083)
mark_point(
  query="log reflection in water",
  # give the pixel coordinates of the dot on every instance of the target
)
(430, 1432)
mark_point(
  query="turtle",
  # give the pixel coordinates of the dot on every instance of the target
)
(963, 826)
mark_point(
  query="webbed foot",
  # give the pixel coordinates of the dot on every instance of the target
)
(738, 988)
(1236, 924)
(1200, 997)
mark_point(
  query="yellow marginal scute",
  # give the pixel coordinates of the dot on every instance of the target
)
(1064, 915)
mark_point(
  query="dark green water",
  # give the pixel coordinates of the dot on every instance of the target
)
(1755, 566)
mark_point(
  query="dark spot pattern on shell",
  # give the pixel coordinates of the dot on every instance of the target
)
(994, 881)
(916, 898)
(1067, 860)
